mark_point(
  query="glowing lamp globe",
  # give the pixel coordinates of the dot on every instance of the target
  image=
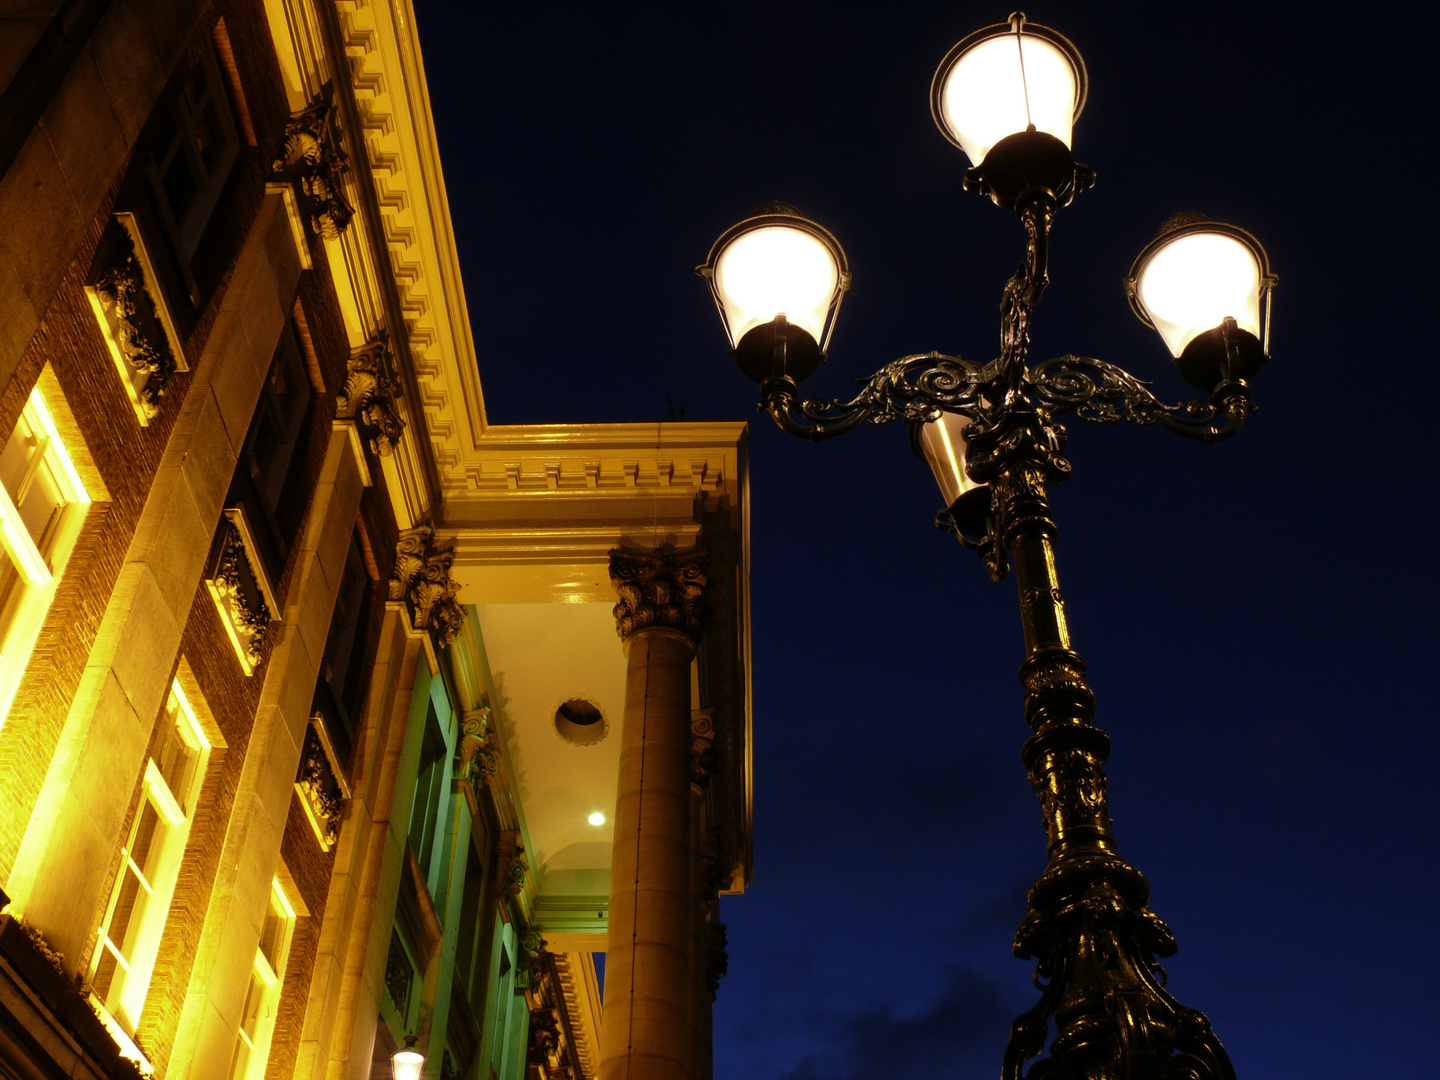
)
(1008, 95)
(407, 1063)
(777, 279)
(1193, 277)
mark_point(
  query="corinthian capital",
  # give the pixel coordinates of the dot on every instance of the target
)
(370, 395)
(422, 580)
(660, 587)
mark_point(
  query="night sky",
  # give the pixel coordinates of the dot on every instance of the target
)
(1258, 617)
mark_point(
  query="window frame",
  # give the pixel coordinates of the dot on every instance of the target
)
(210, 179)
(124, 995)
(26, 598)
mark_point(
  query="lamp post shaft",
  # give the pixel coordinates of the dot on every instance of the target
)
(1088, 927)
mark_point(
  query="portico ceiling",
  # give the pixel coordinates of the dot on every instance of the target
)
(542, 655)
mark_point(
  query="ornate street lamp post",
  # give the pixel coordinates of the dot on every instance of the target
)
(1008, 96)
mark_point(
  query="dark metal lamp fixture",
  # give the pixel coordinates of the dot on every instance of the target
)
(1008, 95)
(407, 1063)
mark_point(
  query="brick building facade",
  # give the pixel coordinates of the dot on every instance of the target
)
(315, 728)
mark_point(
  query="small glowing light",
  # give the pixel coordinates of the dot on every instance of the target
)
(597, 818)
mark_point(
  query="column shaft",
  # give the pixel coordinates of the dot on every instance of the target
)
(646, 1031)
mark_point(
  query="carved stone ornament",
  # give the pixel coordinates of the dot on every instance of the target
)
(370, 394)
(660, 587)
(314, 160)
(479, 747)
(702, 746)
(511, 863)
(422, 580)
(320, 784)
(719, 958)
(239, 596)
(133, 324)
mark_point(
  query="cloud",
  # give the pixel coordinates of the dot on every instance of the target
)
(969, 1020)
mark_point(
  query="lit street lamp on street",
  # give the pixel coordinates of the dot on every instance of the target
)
(1008, 96)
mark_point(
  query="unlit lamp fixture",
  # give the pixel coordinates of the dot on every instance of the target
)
(407, 1063)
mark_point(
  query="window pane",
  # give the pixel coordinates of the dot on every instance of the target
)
(270, 936)
(16, 456)
(40, 505)
(174, 756)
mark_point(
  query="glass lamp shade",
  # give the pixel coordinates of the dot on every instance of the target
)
(1001, 80)
(1189, 280)
(942, 444)
(777, 262)
(407, 1063)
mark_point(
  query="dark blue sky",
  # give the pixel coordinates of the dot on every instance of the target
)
(1259, 617)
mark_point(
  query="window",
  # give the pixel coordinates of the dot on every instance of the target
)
(129, 938)
(429, 779)
(191, 160)
(42, 506)
(342, 674)
(272, 461)
(262, 997)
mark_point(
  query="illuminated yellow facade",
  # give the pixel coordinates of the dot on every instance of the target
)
(319, 730)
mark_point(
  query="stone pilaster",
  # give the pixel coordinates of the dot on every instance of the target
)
(646, 1024)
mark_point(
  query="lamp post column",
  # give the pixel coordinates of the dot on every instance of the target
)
(646, 1021)
(1089, 927)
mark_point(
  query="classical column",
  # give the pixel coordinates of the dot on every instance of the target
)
(702, 890)
(645, 1027)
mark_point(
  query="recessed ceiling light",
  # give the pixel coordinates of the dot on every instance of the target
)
(597, 818)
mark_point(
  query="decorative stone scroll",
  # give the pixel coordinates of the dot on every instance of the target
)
(479, 747)
(660, 587)
(702, 746)
(130, 310)
(239, 589)
(421, 580)
(511, 863)
(314, 160)
(370, 395)
(320, 784)
(718, 957)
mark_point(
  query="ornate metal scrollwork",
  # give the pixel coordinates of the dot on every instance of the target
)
(1089, 929)
(422, 580)
(914, 389)
(1103, 393)
(314, 160)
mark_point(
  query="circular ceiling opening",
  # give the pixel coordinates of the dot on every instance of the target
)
(580, 722)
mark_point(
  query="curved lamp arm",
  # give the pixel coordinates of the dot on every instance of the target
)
(915, 389)
(1103, 393)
